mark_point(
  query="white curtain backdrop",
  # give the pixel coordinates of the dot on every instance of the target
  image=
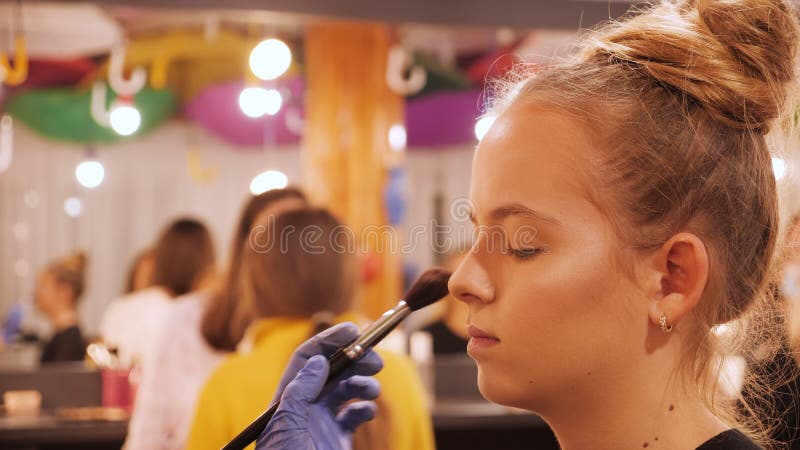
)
(146, 185)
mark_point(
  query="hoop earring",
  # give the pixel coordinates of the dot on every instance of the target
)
(662, 322)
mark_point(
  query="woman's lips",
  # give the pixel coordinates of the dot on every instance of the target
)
(479, 339)
(476, 332)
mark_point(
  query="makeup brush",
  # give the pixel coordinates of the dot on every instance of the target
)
(429, 287)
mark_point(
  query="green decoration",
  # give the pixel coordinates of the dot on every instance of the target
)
(64, 114)
(440, 78)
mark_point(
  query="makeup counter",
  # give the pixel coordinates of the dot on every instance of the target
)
(72, 415)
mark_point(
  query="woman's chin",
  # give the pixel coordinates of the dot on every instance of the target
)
(500, 391)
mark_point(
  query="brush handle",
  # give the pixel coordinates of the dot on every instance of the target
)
(253, 431)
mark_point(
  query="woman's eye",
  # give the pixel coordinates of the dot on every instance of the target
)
(525, 253)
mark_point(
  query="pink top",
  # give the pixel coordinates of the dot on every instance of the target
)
(172, 378)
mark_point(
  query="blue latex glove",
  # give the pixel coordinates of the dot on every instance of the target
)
(312, 416)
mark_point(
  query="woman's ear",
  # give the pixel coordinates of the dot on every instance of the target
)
(682, 265)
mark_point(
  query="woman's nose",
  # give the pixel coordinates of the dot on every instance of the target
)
(470, 282)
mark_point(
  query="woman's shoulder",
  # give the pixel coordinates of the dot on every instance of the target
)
(732, 439)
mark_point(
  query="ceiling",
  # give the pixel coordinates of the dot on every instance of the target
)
(65, 29)
(562, 14)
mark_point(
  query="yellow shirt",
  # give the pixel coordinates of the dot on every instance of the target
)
(243, 385)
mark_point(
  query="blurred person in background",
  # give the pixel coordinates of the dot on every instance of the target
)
(140, 274)
(183, 262)
(182, 359)
(306, 285)
(225, 318)
(790, 278)
(58, 289)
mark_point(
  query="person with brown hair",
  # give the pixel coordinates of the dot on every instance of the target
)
(183, 261)
(58, 288)
(225, 318)
(298, 275)
(140, 273)
(196, 331)
(625, 206)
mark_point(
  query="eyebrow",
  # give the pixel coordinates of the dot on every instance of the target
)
(518, 209)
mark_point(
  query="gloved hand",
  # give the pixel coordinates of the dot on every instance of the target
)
(311, 416)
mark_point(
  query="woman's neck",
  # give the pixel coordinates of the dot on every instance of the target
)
(64, 319)
(640, 407)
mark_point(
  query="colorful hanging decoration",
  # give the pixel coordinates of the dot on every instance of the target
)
(442, 119)
(189, 62)
(64, 114)
(394, 196)
(495, 63)
(57, 72)
(97, 105)
(122, 116)
(217, 110)
(199, 172)
(116, 65)
(16, 74)
(396, 68)
(441, 77)
(204, 70)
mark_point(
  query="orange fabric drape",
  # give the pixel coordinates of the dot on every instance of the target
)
(349, 110)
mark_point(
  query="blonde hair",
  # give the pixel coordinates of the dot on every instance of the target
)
(678, 100)
(71, 271)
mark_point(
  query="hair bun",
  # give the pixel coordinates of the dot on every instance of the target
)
(77, 261)
(735, 57)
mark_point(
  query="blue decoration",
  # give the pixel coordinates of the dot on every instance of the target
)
(393, 196)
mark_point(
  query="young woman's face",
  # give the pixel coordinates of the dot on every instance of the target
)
(541, 280)
(48, 293)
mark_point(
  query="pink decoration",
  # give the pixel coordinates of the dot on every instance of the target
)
(217, 109)
(443, 118)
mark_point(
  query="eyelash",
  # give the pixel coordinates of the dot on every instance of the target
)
(525, 253)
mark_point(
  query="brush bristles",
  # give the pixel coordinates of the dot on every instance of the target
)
(429, 287)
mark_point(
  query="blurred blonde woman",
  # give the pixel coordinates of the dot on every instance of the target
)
(58, 288)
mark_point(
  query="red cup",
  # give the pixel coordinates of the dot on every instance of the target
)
(117, 389)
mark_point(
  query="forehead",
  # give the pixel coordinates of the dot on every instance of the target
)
(531, 156)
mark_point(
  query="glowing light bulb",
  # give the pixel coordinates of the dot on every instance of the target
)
(270, 59)
(125, 118)
(73, 206)
(257, 101)
(272, 102)
(778, 167)
(266, 181)
(90, 174)
(482, 126)
(397, 137)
